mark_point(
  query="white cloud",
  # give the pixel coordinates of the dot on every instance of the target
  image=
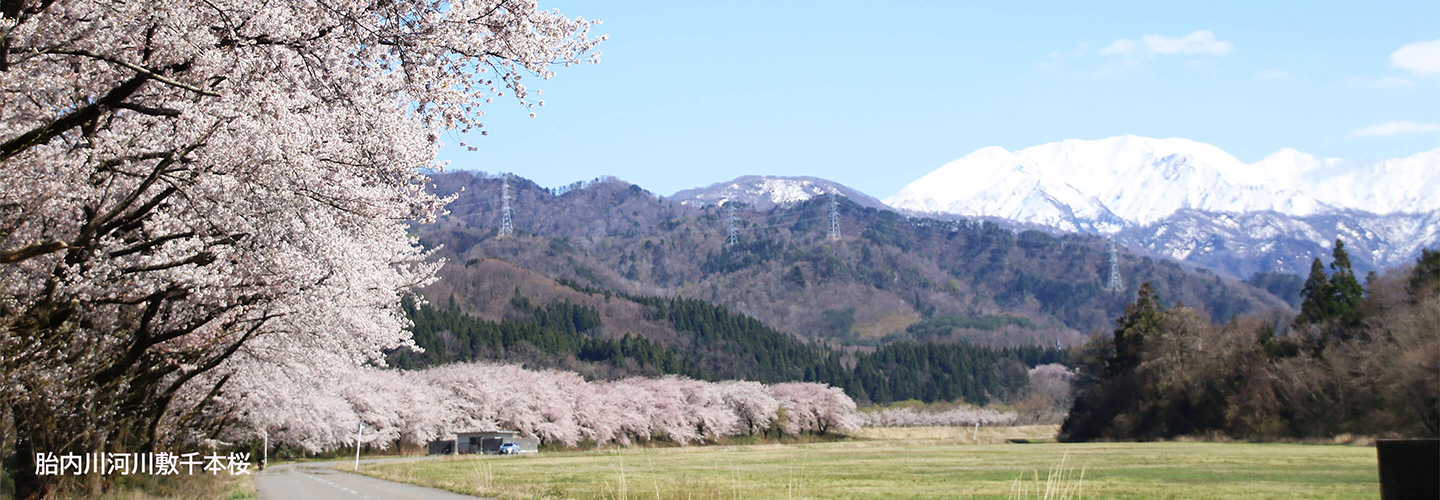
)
(1057, 58)
(1383, 82)
(1395, 127)
(1389, 81)
(1199, 42)
(1272, 74)
(1419, 57)
(1121, 46)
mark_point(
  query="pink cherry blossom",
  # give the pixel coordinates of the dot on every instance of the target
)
(318, 409)
(195, 195)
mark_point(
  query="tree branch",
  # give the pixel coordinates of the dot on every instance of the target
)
(163, 403)
(198, 259)
(148, 110)
(31, 251)
(147, 245)
(139, 345)
(132, 67)
(44, 133)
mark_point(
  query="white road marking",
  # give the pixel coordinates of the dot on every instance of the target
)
(333, 485)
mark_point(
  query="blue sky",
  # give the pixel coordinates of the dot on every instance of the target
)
(876, 94)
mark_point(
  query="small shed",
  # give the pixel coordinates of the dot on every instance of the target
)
(446, 447)
(484, 442)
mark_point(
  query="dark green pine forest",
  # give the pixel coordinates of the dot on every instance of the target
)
(721, 345)
(558, 329)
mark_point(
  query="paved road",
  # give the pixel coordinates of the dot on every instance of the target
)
(320, 481)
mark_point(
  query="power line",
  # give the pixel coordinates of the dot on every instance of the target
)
(790, 219)
(756, 226)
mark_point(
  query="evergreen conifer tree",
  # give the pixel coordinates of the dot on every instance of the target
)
(1100, 397)
(1142, 318)
(1426, 275)
(1347, 290)
(1318, 297)
(796, 277)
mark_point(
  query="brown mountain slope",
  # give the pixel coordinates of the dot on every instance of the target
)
(888, 275)
(484, 288)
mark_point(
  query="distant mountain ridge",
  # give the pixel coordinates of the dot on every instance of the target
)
(1171, 198)
(1247, 243)
(764, 192)
(1107, 185)
(886, 273)
(1194, 202)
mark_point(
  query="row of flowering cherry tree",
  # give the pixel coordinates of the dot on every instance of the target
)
(181, 181)
(961, 416)
(287, 403)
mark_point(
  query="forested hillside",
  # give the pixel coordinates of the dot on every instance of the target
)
(1359, 359)
(557, 335)
(574, 327)
(956, 280)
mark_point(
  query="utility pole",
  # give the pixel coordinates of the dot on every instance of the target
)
(835, 216)
(360, 427)
(505, 229)
(732, 233)
(1115, 284)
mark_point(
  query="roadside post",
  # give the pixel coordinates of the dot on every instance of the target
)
(359, 428)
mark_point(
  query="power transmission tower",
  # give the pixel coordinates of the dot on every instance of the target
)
(505, 229)
(732, 234)
(1115, 284)
(835, 216)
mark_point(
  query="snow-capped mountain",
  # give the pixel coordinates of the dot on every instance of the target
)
(1195, 202)
(1110, 184)
(764, 192)
(1244, 243)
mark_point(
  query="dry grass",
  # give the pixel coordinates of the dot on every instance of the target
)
(1061, 483)
(885, 324)
(961, 435)
(913, 464)
(197, 487)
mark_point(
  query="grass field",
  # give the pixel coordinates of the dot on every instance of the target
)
(913, 464)
(187, 487)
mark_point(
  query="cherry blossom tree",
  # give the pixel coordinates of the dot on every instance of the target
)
(180, 181)
(817, 408)
(961, 416)
(635, 410)
(317, 409)
(670, 412)
(754, 408)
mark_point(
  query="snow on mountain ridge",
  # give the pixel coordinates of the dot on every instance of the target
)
(765, 192)
(752, 189)
(1241, 244)
(1108, 184)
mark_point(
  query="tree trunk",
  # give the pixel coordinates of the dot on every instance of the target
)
(96, 480)
(30, 440)
(6, 434)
